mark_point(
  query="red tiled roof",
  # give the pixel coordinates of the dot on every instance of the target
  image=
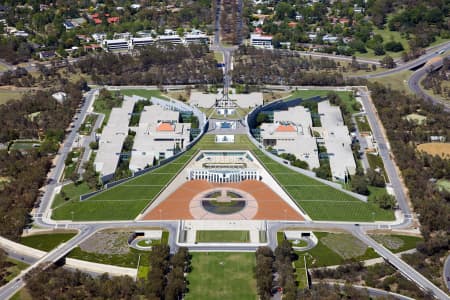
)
(113, 20)
(285, 128)
(97, 21)
(165, 127)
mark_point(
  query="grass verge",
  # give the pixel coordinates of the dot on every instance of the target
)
(46, 242)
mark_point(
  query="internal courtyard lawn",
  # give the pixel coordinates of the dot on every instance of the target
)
(223, 276)
(223, 236)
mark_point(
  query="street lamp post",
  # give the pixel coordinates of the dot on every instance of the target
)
(72, 214)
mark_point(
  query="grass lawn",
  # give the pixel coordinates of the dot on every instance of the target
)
(363, 124)
(125, 201)
(241, 142)
(15, 269)
(129, 260)
(397, 243)
(397, 81)
(22, 294)
(443, 184)
(218, 56)
(143, 272)
(143, 93)
(301, 272)
(334, 249)
(387, 36)
(321, 201)
(24, 144)
(46, 242)
(222, 276)
(222, 236)
(6, 95)
(71, 191)
(375, 161)
(122, 202)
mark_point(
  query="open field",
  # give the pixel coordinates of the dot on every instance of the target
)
(128, 260)
(334, 249)
(6, 95)
(143, 93)
(24, 144)
(274, 95)
(443, 184)
(124, 201)
(440, 149)
(397, 243)
(223, 236)
(397, 81)
(46, 242)
(387, 36)
(222, 276)
(419, 119)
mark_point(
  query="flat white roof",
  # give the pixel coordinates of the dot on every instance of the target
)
(116, 41)
(337, 140)
(113, 136)
(297, 115)
(255, 36)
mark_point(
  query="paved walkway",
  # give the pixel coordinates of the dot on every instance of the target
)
(179, 204)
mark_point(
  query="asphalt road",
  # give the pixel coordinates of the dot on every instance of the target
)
(416, 88)
(429, 54)
(58, 170)
(446, 273)
(385, 154)
(372, 291)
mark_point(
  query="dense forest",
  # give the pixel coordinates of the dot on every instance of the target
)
(23, 173)
(15, 50)
(34, 115)
(166, 281)
(420, 171)
(172, 64)
(436, 80)
(259, 66)
(431, 204)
